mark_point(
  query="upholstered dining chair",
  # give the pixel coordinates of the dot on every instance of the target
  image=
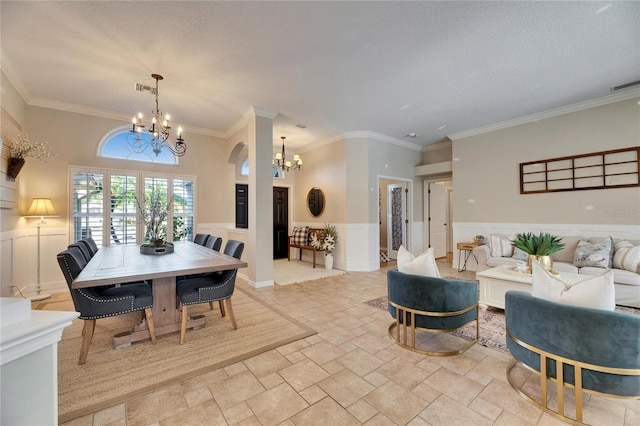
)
(210, 288)
(201, 239)
(214, 243)
(84, 248)
(94, 303)
(91, 245)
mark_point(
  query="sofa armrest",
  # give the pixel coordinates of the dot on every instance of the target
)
(482, 254)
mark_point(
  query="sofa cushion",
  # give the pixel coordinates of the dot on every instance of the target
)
(593, 254)
(300, 236)
(520, 254)
(620, 276)
(497, 261)
(600, 240)
(595, 292)
(424, 264)
(569, 250)
(500, 245)
(566, 267)
(627, 256)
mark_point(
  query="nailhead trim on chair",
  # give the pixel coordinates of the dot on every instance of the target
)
(209, 287)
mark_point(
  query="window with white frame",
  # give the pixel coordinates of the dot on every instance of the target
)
(116, 144)
(104, 205)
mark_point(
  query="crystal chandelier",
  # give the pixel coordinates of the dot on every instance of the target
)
(159, 129)
(281, 162)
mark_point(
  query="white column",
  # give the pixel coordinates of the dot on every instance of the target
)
(260, 246)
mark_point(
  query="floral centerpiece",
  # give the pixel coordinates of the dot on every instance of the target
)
(154, 213)
(326, 240)
(22, 148)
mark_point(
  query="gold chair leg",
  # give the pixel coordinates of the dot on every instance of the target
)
(183, 327)
(152, 328)
(87, 335)
(222, 312)
(230, 309)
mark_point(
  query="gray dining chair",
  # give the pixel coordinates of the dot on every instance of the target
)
(214, 243)
(201, 239)
(209, 288)
(91, 245)
(84, 248)
(95, 303)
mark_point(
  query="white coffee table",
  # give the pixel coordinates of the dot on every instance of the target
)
(495, 282)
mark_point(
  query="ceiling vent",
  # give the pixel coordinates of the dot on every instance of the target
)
(625, 86)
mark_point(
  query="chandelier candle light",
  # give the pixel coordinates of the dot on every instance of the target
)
(281, 162)
(159, 129)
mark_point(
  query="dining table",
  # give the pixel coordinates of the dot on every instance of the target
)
(120, 264)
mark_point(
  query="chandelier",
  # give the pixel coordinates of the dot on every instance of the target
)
(158, 131)
(281, 162)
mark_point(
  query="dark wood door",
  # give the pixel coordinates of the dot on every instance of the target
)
(280, 222)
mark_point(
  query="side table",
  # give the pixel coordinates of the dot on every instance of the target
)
(467, 248)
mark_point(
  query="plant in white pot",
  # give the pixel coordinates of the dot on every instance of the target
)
(539, 247)
(326, 241)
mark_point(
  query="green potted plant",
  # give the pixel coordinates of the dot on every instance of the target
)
(539, 247)
(154, 211)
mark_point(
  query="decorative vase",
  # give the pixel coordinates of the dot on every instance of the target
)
(545, 261)
(14, 167)
(328, 261)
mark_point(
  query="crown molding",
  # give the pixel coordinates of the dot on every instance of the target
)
(382, 138)
(113, 115)
(605, 100)
(7, 67)
(254, 110)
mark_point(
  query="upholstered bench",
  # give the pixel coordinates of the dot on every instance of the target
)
(599, 350)
(301, 239)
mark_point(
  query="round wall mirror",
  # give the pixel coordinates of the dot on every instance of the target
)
(315, 201)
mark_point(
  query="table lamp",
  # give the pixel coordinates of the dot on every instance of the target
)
(40, 207)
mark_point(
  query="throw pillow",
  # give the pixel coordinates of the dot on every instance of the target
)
(627, 256)
(593, 254)
(300, 236)
(424, 264)
(500, 245)
(520, 254)
(596, 291)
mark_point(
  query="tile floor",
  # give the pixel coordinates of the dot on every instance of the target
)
(350, 373)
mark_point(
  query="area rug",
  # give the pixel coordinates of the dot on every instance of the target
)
(112, 376)
(287, 272)
(492, 327)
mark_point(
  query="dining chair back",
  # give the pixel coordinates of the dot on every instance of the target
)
(209, 288)
(84, 248)
(214, 243)
(91, 245)
(201, 239)
(100, 302)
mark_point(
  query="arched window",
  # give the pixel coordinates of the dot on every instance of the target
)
(117, 144)
(244, 169)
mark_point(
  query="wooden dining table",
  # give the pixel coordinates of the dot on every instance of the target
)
(124, 263)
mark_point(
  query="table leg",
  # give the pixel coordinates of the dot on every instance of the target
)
(166, 315)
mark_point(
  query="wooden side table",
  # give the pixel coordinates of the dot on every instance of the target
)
(467, 248)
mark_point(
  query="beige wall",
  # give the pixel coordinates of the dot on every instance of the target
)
(486, 169)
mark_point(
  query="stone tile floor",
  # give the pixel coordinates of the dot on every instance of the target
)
(350, 373)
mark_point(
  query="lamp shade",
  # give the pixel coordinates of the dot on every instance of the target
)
(41, 207)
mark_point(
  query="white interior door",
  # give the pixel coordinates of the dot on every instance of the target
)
(438, 199)
(396, 218)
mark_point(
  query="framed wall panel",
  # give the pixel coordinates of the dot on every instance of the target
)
(617, 168)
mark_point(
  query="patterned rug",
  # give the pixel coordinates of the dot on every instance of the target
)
(492, 329)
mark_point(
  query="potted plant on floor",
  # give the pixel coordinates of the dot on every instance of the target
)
(539, 247)
(326, 241)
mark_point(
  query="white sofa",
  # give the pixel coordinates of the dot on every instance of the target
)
(627, 282)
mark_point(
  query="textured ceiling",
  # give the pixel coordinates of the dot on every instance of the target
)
(430, 68)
